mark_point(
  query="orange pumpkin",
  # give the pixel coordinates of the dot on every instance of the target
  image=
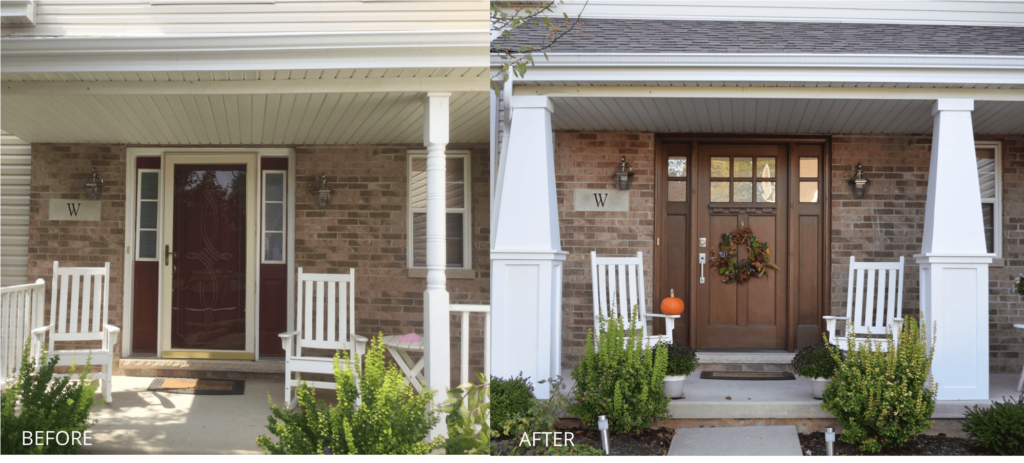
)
(672, 305)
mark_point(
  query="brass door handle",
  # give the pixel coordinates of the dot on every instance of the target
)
(168, 254)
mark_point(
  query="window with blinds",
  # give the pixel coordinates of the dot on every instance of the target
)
(148, 208)
(457, 211)
(989, 177)
(273, 229)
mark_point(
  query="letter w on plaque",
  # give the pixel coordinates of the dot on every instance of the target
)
(588, 200)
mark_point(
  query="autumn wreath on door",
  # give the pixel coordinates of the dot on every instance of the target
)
(755, 266)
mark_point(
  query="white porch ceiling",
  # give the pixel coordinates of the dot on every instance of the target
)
(764, 115)
(360, 106)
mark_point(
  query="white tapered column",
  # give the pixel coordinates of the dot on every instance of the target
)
(435, 298)
(526, 254)
(954, 262)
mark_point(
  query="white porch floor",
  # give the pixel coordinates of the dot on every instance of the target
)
(720, 399)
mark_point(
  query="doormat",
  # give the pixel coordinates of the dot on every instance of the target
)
(198, 386)
(748, 375)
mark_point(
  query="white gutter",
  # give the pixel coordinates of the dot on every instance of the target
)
(775, 60)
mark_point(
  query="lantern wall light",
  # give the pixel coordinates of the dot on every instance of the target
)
(322, 192)
(623, 176)
(94, 187)
(858, 182)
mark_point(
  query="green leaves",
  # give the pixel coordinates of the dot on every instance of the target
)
(468, 411)
(997, 429)
(391, 420)
(621, 378)
(879, 395)
(817, 361)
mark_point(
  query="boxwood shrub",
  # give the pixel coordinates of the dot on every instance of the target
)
(510, 398)
(997, 429)
(816, 361)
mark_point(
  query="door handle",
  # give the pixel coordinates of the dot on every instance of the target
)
(168, 254)
(701, 259)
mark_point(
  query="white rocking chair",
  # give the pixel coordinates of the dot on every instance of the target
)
(872, 303)
(618, 285)
(324, 319)
(88, 289)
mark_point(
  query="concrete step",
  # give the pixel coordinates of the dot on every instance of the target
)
(757, 361)
(736, 441)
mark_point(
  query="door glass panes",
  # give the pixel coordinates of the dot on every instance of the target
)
(743, 167)
(765, 167)
(677, 191)
(719, 192)
(149, 182)
(808, 191)
(987, 172)
(765, 192)
(719, 167)
(741, 192)
(676, 166)
(809, 167)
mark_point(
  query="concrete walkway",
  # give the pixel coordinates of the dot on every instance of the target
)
(736, 441)
(143, 422)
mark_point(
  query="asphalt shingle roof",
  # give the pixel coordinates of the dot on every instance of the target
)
(672, 36)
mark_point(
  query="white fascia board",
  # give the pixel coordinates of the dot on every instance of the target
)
(792, 93)
(250, 87)
(250, 52)
(774, 67)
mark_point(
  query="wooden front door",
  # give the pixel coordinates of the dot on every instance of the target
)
(775, 188)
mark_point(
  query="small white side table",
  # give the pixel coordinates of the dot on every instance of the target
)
(1020, 382)
(400, 352)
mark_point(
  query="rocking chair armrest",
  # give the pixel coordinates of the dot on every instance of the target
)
(39, 333)
(830, 326)
(359, 342)
(661, 315)
(111, 339)
(286, 340)
(831, 318)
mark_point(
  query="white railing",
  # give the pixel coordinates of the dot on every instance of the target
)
(466, 310)
(21, 311)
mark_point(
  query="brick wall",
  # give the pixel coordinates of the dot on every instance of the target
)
(884, 225)
(889, 222)
(587, 160)
(364, 228)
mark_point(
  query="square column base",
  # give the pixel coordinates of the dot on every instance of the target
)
(526, 309)
(954, 300)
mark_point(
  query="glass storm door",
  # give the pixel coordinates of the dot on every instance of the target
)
(208, 257)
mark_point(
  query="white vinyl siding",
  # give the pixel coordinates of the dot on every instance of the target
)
(15, 168)
(457, 211)
(147, 207)
(145, 18)
(274, 214)
(974, 13)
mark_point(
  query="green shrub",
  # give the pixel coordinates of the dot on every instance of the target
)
(997, 429)
(392, 419)
(879, 397)
(467, 409)
(815, 361)
(510, 399)
(622, 379)
(46, 405)
(682, 360)
(541, 416)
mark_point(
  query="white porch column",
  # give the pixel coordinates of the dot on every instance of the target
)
(435, 298)
(526, 254)
(954, 262)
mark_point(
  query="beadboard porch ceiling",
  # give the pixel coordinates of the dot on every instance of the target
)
(361, 106)
(772, 115)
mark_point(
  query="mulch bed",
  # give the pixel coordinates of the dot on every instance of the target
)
(940, 444)
(654, 441)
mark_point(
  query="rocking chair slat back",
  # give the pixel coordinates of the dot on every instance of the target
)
(78, 303)
(326, 310)
(618, 287)
(874, 300)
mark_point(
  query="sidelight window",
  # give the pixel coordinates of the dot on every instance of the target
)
(148, 207)
(273, 229)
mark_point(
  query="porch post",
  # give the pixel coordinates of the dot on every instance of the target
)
(435, 298)
(526, 254)
(954, 262)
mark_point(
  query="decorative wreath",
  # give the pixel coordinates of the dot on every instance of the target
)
(739, 272)
(1018, 284)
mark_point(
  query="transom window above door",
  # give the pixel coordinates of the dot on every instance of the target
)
(743, 179)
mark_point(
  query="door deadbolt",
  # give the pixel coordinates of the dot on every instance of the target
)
(703, 242)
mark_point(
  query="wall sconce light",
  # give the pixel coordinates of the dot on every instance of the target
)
(321, 192)
(94, 187)
(858, 182)
(623, 175)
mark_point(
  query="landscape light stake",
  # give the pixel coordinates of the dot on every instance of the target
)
(602, 425)
(830, 438)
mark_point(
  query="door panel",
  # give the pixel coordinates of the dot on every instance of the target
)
(209, 257)
(672, 248)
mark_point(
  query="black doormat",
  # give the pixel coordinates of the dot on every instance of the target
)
(748, 375)
(198, 386)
